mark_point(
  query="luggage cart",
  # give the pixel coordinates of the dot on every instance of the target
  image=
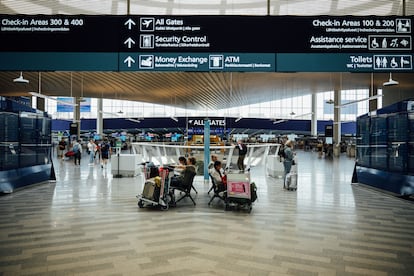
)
(156, 191)
(238, 191)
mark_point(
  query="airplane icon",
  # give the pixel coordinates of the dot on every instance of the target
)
(146, 23)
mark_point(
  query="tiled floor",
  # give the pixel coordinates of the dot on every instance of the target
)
(88, 223)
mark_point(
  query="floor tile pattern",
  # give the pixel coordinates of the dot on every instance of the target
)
(88, 223)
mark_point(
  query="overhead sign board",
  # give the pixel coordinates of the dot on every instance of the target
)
(206, 43)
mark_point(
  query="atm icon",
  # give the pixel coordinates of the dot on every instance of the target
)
(216, 61)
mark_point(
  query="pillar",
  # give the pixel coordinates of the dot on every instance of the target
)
(337, 110)
(99, 118)
(373, 104)
(76, 115)
(206, 148)
(314, 119)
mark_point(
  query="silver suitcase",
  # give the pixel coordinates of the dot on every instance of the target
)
(292, 181)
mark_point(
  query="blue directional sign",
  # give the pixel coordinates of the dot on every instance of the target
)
(206, 43)
(201, 62)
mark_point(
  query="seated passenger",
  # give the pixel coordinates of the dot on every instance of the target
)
(182, 163)
(220, 179)
(192, 165)
(176, 181)
(214, 158)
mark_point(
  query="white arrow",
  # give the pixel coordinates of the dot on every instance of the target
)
(130, 22)
(129, 41)
(129, 60)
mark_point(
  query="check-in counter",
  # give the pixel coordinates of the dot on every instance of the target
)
(129, 164)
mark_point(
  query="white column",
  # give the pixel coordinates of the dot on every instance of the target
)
(337, 117)
(76, 114)
(314, 120)
(99, 118)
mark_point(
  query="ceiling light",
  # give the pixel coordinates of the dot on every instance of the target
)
(134, 120)
(21, 79)
(238, 119)
(390, 82)
(360, 100)
(174, 119)
(279, 121)
(303, 115)
(120, 112)
(292, 113)
(330, 101)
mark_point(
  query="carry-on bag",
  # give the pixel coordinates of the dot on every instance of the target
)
(149, 189)
(291, 181)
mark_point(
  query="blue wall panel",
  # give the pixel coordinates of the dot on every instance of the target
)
(297, 126)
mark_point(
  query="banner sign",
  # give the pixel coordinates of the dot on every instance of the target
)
(207, 43)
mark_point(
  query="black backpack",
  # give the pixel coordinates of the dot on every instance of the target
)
(253, 192)
(281, 152)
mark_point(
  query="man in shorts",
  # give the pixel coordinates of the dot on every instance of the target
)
(105, 152)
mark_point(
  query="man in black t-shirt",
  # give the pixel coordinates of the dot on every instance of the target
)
(105, 152)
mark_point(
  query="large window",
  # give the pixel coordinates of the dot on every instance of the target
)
(326, 106)
(299, 107)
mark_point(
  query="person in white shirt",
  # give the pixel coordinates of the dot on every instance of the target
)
(91, 150)
(219, 178)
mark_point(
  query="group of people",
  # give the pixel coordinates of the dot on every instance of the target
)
(219, 174)
(181, 169)
(96, 151)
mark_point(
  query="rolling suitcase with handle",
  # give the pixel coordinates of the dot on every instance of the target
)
(292, 181)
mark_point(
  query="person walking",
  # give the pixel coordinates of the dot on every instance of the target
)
(91, 151)
(242, 154)
(105, 152)
(287, 161)
(76, 148)
(61, 148)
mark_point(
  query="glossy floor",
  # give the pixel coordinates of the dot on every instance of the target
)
(88, 223)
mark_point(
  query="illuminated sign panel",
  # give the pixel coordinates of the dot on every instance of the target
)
(206, 43)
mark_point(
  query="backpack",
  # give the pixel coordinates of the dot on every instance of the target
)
(253, 192)
(76, 148)
(281, 152)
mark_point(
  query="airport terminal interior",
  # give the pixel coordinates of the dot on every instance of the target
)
(86, 219)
